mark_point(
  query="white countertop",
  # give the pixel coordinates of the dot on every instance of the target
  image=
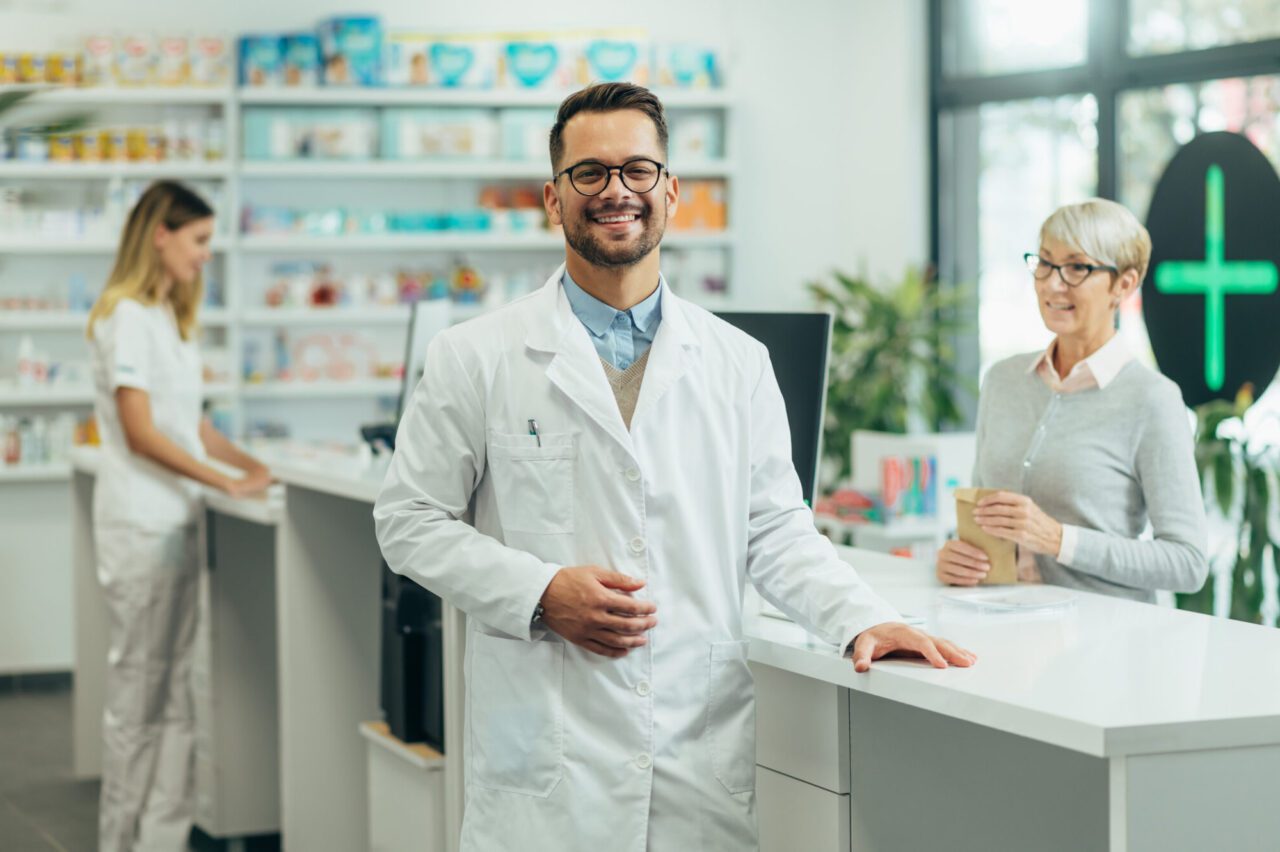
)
(342, 471)
(264, 509)
(1106, 677)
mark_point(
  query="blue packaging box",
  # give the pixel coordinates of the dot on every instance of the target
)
(351, 48)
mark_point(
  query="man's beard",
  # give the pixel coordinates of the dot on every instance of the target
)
(608, 254)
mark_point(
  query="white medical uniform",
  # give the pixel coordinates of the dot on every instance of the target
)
(146, 533)
(565, 750)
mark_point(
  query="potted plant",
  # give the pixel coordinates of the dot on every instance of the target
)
(1238, 470)
(891, 355)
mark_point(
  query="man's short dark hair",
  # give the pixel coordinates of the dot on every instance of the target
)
(607, 97)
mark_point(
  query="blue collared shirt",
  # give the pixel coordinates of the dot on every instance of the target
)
(620, 337)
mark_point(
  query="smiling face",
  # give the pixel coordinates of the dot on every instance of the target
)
(185, 250)
(619, 227)
(1086, 311)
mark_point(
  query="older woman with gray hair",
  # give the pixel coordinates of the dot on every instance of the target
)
(1085, 444)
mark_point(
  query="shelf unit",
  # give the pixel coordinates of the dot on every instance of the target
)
(244, 257)
(55, 472)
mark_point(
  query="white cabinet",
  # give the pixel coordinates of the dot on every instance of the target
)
(802, 756)
(795, 815)
(406, 793)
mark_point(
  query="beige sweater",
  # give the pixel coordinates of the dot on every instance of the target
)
(626, 385)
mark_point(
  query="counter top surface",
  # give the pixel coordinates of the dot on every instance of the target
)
(1105, 676)
(264, 509)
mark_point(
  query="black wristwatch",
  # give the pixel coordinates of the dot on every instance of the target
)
(537, 615)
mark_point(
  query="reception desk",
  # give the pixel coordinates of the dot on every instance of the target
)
(1109, 725)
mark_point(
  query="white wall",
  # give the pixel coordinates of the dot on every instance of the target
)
(833, 118)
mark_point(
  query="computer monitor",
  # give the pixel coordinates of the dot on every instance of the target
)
(799, 345)
(427, 318)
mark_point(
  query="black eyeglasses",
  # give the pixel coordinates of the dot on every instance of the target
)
(591, 178)
(1072, 274)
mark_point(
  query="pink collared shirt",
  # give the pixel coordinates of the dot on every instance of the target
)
(1096, 371)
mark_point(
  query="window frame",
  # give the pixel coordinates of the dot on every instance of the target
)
(1109, 71)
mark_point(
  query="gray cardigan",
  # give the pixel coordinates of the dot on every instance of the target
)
(1106, 461)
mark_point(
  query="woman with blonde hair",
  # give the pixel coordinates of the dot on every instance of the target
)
(147, 378)
(1086, 445)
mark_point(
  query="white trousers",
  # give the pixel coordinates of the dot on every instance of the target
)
(150, 581)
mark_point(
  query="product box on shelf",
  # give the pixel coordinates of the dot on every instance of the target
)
(696, 136)
(8, 68)
(419, 133)
(62, 68)
(407, 61)
(461, 61)
(210, 57)
(173, 61)
(321, 134)
(261, 60)
(537, 61)
(301, 57)
(136, 60)
(351, 48)
(612, 56)
(702, 206)
(686, 66)
(524, 133)
(98, 60)
(31, 67)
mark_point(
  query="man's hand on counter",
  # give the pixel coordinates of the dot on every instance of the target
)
(893, 638)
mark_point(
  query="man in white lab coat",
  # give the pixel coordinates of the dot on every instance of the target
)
(593, 474)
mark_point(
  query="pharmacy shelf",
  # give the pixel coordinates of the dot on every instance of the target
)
(326, 316)
(322, 389)
(15, 244)
(15, 169)
(34, 473)
(13, 397)
(102, 95)
(457, 169)
(77, 320)
(447, 241)
(491, 98)
(37, 320)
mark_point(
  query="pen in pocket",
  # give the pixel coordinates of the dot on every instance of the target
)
(533, 430)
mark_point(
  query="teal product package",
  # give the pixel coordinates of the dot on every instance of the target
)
(351, 49)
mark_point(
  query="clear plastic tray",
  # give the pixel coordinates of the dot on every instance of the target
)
(1027, 598)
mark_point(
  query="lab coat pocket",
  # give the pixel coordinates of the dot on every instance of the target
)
(532, 483)
(731, 717)
(517, 714)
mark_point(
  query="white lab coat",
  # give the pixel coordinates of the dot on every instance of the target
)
(566, 750)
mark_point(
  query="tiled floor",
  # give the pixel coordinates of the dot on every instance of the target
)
(42, 807)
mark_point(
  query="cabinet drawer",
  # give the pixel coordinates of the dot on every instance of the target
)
(795, 815)
(802, 728)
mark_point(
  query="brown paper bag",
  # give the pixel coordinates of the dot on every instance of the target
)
(1002, 553)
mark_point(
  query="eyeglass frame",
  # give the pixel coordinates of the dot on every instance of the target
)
(608, 175)
(1028, 257)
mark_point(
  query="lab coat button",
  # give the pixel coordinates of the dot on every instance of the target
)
(633, 474)
(643, 688)
(637, 545)
(644, 761)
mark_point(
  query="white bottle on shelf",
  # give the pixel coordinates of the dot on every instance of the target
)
(26, 362)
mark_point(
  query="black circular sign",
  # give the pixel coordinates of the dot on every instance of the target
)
(1211, 299)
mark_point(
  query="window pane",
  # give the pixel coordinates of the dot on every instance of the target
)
(985, 37)
(1007, 167)
(1154, 123)
(1167, 26)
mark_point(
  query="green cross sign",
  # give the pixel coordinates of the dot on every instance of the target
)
(1215, 279)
